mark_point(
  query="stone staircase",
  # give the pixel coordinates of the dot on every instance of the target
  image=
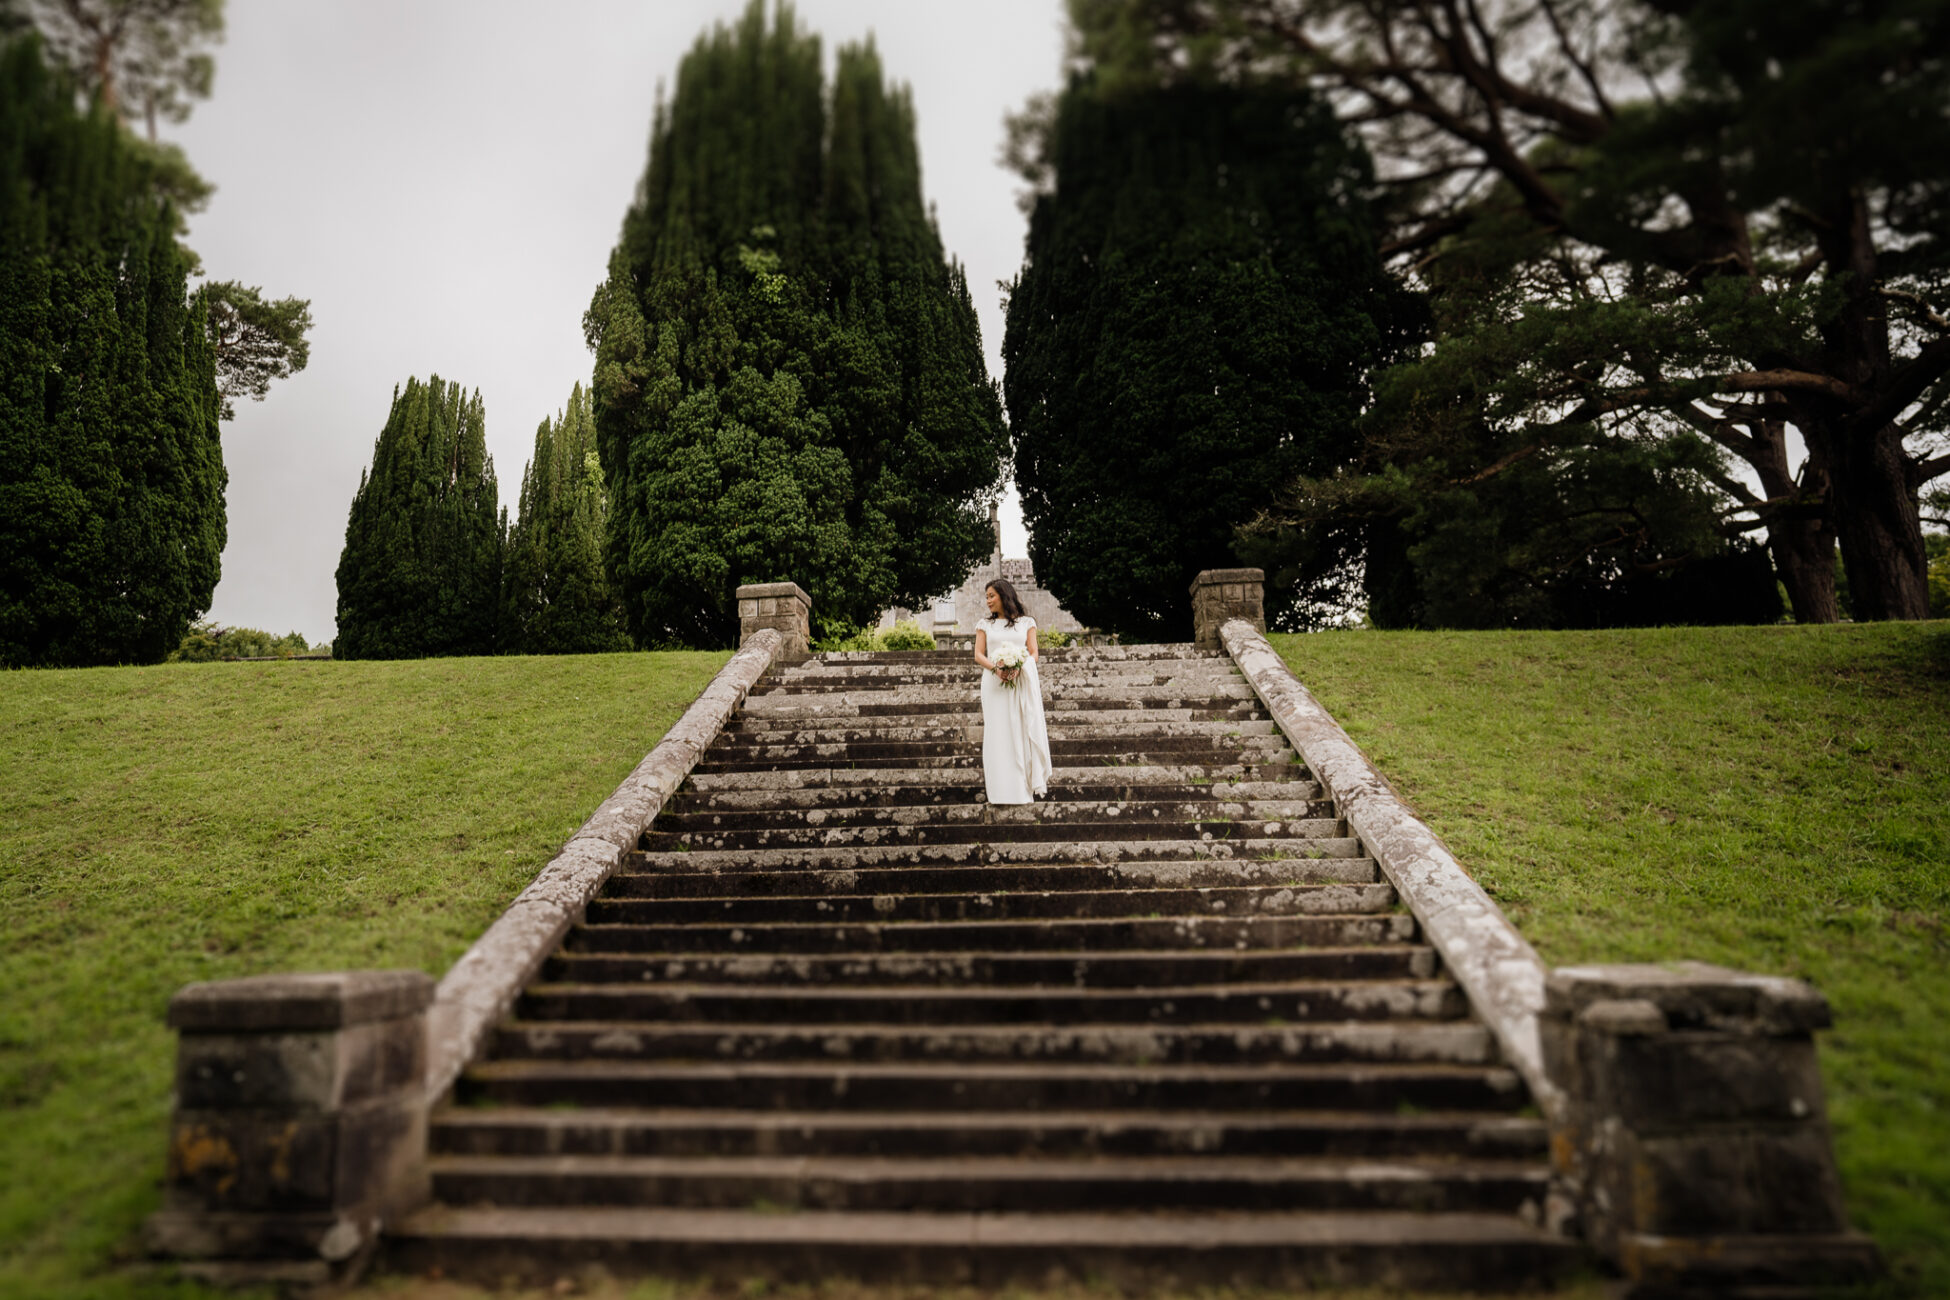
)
(839, 1017)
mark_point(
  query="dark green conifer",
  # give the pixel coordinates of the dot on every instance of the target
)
(420, 575)
(1200, 301)
(557, 598)
(789, 380)
(111, 471)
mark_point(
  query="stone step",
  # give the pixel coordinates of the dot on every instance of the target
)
(520, 1131)
(1183, 651)
(1071, 753)
(1110, 706)
(607, 959)
(970, 793)
(1075, 726)
(964, 1085)
(856, 857)
(1159, 781)
(1352, 947)
(965, 676)
(971, 1183)
(964, 663)
(1214, 830)
(1261, 761)
(1276, 900)
(767, 814)
(1454, 1042)
(571, 991)
(1326, 880)
(988, 1251)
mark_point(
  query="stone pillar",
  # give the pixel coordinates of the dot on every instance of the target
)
(300, 1124)
(1220, 595)
(781, 606)
(1693, 1143)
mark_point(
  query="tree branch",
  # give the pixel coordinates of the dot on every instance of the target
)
(1909, 382)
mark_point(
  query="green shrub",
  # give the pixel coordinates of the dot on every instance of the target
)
(862, 638)
(207, 642)
(1052, 638)
(906, 635)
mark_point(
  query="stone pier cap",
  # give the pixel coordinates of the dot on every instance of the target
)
(268, 1003)
(1687, 995)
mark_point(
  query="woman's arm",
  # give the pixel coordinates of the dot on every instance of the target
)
(982, 648)
(1032, 640)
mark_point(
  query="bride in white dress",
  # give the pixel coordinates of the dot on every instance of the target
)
(1015, 744)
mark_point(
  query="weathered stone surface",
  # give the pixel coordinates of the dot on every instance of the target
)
(1693, 1145)
(322, 1239)
(1695, 995)
(1501, 972)
(1221, 595)
(323, 1000)
(301, 1123)
(481, 987)
(1802, 1264)
(781, 607)
(252, 1160)
(295, 1073)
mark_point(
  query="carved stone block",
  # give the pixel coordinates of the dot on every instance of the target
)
(301, 1122)
(782, 606)
(1693, 1137)
(1219, 595)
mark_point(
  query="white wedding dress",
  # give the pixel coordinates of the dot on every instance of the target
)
(1015, 743)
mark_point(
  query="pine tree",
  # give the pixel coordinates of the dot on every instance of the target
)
(1200, 301)
(557, 599)
(420, 575)
(111, 470)
(789, 380)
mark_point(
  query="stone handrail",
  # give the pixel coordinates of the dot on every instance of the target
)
(481, 987)
(1500, 972)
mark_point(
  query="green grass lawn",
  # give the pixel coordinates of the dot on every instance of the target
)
(197, 821)
(1773, 799)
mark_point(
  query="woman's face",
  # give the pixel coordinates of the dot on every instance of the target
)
(995, 601)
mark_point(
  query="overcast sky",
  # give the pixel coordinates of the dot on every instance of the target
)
(444, 179)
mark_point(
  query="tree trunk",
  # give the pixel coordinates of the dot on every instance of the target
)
(1879, 527)
(1801, 540)
(1873, 500)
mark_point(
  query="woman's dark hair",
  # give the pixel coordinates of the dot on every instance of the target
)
(1011, 603)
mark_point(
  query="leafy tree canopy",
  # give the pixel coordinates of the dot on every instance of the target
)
(557, 598)
(1741, 206)
(420, 575)
(144, 59)
(1200, 301)
(257, 340)
(789, 380)
(111, 472)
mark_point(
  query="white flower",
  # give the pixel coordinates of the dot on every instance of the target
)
(1008, 659)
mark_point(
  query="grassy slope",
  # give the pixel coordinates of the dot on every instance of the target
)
(1775, 799)
(163, 825)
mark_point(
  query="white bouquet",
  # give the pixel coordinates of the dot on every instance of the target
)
(1008, 659)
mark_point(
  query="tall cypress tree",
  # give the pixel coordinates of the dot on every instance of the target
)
(1199, 304)
(111, 470)
(557, 598)
(789, 380)
(420, 574)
